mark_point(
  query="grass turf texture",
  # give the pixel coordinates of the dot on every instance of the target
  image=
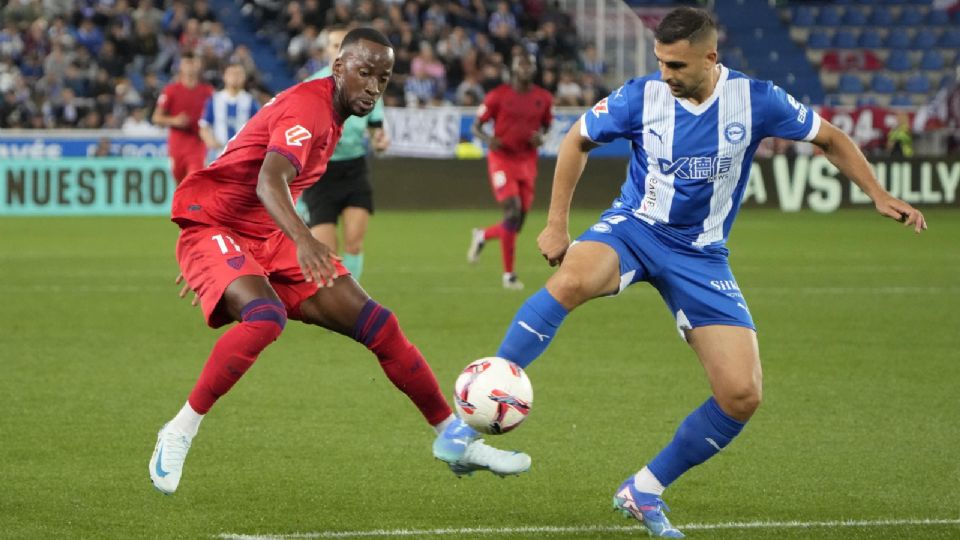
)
(857, 333)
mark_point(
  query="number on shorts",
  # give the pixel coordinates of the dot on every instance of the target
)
(223, 245)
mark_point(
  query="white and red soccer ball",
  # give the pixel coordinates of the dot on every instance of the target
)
(493, 395)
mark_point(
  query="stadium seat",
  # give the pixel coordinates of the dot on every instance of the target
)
(882, 84)
(850, 84)
(819, 40)
(932, 60)
(845, 39)
(910, 16)
(924, 40)
(917, 84)
(881, 16)
(829, 16)
(938, 17)
(899, 61)
(854, 17)
(898, 40)
(950, 39)
(870, 38)
(866, 100)
(901, 100)
(804, 16)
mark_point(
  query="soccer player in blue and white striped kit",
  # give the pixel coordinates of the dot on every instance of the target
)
(694, 127)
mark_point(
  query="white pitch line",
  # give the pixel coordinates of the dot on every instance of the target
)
(380, 533)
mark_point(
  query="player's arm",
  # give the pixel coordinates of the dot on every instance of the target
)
(161, 118)
(844, 153)
(273, 189)
(477, 129)
(206, 133)
(571, 160)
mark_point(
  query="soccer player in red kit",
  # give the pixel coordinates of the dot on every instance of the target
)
(180, 107)
(250, 258)
(521, 114)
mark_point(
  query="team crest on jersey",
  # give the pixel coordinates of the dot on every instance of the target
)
(734, 132)
(296, 135)
(600, 108)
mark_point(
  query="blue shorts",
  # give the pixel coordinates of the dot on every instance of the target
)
(697, 285)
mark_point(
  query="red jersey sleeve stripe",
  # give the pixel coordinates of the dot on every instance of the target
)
(290, 157)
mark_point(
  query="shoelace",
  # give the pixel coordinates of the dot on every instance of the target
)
(175, 448)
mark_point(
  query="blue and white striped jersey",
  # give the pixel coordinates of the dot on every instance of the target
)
(226, 114)
(690, 163)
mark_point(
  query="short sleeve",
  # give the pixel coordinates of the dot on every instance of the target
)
(547, 118)
(293, 134)
(206, 119)
(488, 109)
(610, 118)
(165, 99)
(787, 118)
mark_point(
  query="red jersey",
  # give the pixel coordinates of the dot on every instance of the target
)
(178, 98)
(300, 124)
(516, 117)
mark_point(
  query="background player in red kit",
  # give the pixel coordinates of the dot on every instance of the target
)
(250, 258)
(180, 107)
(521, 114)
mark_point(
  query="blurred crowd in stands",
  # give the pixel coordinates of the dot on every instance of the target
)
(102, 63)
(448, 52)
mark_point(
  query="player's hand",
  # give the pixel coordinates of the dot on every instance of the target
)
(494, 143)
(186, 289)
(536, 140)
(180, 121)
(553, 243)
(894, 208)
(316, 261)
(380, 141)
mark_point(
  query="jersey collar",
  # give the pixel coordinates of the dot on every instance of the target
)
(701, 108)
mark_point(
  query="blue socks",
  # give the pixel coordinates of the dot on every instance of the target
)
(701, 435)
(532, 328)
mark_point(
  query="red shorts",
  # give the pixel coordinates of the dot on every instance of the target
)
(212, 257)
(184, 162)
(513, 177)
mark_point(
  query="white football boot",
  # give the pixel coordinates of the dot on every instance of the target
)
(460, 447)
(166, 464)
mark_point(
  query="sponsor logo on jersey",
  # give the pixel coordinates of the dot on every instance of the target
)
(710, 168)
(601, 227)
(600, 108)
(725, 285)
(296, 135)
(734, 132)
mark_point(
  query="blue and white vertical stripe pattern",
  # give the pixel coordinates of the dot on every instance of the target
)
(690, 163)
(226, 114)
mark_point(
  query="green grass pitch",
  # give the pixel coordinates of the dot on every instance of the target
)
(858, 335)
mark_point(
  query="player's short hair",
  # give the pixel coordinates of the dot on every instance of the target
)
(364, 33)
(685, 23)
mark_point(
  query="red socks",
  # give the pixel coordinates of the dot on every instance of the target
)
(237, 350)
(507, 234)
(378, 329)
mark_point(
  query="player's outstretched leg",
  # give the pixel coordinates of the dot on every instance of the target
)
(261, 322)
(460, 447)
(378, 329)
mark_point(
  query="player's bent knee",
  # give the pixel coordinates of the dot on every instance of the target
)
(270, 313)
(569, 288)
(741, 402)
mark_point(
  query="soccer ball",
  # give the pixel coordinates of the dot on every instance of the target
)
(493, 395)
